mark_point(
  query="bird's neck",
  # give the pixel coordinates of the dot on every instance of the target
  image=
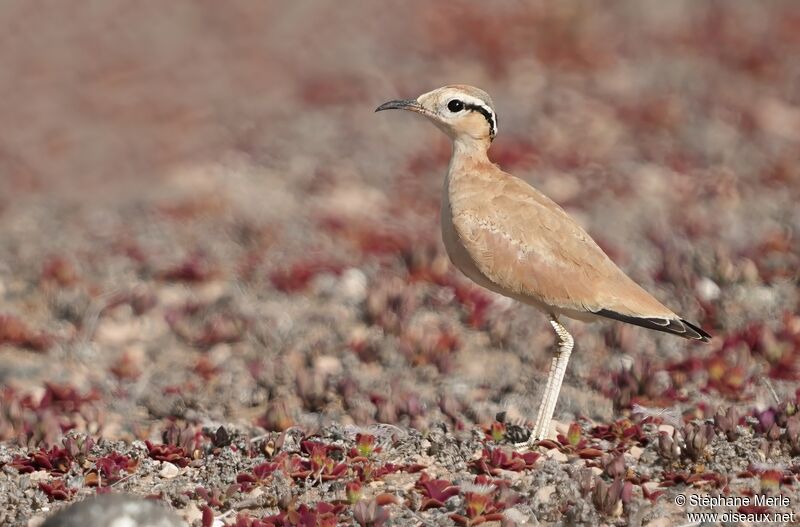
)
(471, 147)
(468, 154)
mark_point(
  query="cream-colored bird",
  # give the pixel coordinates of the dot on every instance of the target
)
(511, 239)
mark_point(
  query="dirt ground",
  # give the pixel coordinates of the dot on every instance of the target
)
(222, 283)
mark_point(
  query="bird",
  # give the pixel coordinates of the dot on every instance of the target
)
(508, 237)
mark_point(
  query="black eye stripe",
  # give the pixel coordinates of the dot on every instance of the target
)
(487, 113)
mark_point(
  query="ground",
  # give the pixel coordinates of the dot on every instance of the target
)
(223, 286)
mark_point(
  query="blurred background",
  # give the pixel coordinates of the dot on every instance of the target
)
(202, 218)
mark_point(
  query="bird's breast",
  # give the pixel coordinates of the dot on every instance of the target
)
(454, 246)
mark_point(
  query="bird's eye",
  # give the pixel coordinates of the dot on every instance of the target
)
(455, 106)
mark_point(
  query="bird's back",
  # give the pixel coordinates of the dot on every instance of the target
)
(522, 244)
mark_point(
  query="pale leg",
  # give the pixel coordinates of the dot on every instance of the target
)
(557, 370)
(543, 405)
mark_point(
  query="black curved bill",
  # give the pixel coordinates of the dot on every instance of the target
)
(405, 104)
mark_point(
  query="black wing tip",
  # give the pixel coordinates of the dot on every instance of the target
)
(700, 334)
(672, 326)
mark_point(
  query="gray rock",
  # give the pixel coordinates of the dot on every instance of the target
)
(115, 510)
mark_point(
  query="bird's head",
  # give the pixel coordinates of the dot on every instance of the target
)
(462, 112)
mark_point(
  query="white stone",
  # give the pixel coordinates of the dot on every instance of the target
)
(327, 365)
(707, 289)
(168, 470)
(353, 285)
(39, 475)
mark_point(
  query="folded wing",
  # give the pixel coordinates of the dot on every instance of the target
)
(528, 246)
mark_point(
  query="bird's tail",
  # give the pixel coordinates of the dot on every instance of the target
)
(675, 326)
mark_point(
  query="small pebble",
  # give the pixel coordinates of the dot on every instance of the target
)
(168, 470)
(707, 289)
(353, 286)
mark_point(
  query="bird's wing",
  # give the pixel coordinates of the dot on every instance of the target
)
(526, 244)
